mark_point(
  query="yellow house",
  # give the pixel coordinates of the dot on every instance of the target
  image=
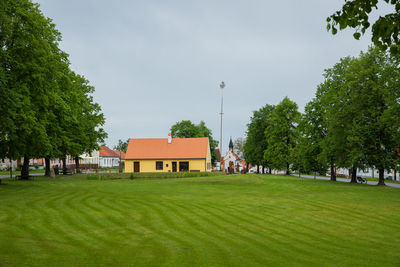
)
(168, 155)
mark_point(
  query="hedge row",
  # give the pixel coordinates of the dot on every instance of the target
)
(149, 175)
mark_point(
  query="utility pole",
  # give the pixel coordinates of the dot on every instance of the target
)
(222, 85)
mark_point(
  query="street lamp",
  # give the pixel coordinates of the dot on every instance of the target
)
(222, 86)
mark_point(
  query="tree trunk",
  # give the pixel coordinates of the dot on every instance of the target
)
(333, 173)
(47, 163)
(269, 170)
(373, 173)
(25, 169)
(287, 169)
(77, 167)
(381, 176)
(395, 174)
(263, 170)
(258, 169)
(11, 170)
(353, 175)
(64, 161)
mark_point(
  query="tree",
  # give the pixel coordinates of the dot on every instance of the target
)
(29, 52)
(345, 134)
(186, 129)
(361, 100)
(281, 135)
(122, 146)
(325, 98)
(48, 109)
(238, 146)
(355, 14)
(311, 133)
(376, 93)
(83, 129)
(256, 142)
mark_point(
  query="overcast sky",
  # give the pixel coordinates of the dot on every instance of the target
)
(154, 63)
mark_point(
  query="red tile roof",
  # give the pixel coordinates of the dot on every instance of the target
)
(158, 148)
(118, 154)
(107, 152)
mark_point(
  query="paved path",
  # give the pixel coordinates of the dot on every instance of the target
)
(31, 174)
(345, 180)
(42, 174)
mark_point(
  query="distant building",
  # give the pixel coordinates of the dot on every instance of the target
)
(108, 158)
(92, 159)
(231, 160)
(168, 155)
(6, 163)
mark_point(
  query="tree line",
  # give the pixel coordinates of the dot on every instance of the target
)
(353, 122)
(47, 110)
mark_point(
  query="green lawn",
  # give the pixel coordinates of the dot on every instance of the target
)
(240, 220)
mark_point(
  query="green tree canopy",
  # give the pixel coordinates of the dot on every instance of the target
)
(311, 133)
(256, 142)
(47, 110)
(187, 129)
(360, 99)
(281, 135)
(356, 14)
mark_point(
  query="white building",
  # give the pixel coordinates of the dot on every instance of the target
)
(232, 160)
(6, 163)
(92, 158)
(105, 158)
(108, 158)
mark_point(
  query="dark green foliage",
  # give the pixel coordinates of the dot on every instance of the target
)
(312, 130)
(360, 99)
(256, 142)
(356, 14)
(47, 110)
(281, 135)
(187, 129)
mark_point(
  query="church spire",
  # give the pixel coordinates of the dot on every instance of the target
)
(231, 145)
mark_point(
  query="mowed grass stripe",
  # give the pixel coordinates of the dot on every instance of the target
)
(326, 243)
(258, 239)
(193, 225)
(230, 239)
(213, 221)
(180, 245)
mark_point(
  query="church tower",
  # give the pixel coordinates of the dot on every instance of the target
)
(231, 145)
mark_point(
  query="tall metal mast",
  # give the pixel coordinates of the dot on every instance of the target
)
(222, 85)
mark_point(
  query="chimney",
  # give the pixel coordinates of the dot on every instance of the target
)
(169, 138)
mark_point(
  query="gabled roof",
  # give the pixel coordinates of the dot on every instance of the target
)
(158, 148)
(230, 152)
(107, 152)
(118, 153)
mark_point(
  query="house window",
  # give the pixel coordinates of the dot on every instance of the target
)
(159, 165)
(184, 166)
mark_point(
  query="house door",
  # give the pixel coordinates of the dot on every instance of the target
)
(136, 166)
(174, 168)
